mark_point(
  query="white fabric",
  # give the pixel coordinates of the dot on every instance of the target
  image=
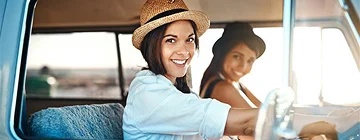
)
(156, 110)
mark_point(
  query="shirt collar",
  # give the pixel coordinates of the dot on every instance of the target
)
(160, 77)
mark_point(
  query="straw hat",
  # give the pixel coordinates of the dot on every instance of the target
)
(155, 13)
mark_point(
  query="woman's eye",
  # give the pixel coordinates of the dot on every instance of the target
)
(236, 56)
(170, 40)
(251, 61)
(190, 40)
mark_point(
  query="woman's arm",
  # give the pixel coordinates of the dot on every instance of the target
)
(241, 121)
(250, 95)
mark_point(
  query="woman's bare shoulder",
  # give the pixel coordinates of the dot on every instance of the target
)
(206, 86)
(224, 88)
(227, 93)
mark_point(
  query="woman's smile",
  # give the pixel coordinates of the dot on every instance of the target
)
(179, 61)
(237, 73)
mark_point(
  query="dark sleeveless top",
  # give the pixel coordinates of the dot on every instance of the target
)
(211, 87)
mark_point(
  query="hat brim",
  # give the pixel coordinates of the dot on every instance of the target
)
(253, 41)
(256, 41)
(201, 20)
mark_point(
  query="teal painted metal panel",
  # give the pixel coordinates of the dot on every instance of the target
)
(13, 16)
(2, 11)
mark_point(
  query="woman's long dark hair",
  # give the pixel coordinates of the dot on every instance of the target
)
(216, 64)
(151, 51)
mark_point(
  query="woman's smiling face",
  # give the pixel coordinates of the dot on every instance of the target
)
(177, 49)
(238, 62)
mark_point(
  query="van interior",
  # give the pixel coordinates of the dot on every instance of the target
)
(79, 52)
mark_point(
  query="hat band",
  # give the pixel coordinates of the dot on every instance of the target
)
(166, 13)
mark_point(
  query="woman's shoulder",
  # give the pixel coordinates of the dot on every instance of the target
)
(146, 82)
(228, 93)
(213, 80)
(209, 85)
(224, 87)
(216, 84)
(148, 77)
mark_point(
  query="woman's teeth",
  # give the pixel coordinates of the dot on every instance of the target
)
(238, 73)
(180, 62)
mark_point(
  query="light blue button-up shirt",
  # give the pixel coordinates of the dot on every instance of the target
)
(156, 110)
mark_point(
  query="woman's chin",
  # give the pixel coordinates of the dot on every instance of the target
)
(181, 75)
(178, 74)
(235, 78)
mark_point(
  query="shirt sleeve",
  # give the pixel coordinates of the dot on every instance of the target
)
(159, 108)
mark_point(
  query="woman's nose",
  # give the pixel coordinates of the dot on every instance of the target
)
(243, 67)
(183, 50)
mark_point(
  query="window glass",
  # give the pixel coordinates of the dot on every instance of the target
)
(132, 60)
(323, 69)
(340, 74)
(203, 57)
(306, 64)
(73, 65)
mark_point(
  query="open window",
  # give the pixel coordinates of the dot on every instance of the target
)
(73, 65)
(325, 54)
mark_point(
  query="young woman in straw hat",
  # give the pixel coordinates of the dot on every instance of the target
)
(234, 54)
(160, 104)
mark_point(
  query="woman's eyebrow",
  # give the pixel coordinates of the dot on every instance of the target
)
(191, 34)
(236, 52)
(171, 35)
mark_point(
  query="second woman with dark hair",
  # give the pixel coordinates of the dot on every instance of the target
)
(234, 54)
